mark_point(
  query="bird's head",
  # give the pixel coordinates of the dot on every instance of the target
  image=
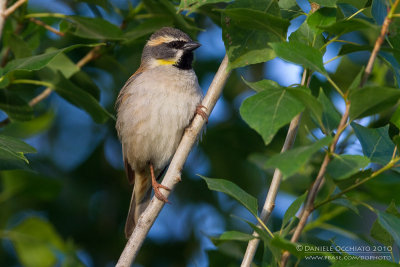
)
(169, 46)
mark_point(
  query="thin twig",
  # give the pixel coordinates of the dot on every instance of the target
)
(309, 205)
(269, 203)
(14, 7)
(172, 177)
(3, 5)
(47, 27)
(388, 166)
(93, 54)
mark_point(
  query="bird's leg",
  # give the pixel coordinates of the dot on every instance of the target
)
(201, 112)
(156, 186)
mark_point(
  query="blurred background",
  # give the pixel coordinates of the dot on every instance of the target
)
(76, 191)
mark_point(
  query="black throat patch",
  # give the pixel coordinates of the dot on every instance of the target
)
(185, 62)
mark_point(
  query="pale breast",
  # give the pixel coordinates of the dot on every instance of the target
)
(158, 106)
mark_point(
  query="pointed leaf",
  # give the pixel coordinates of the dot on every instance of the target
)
(39, 61)
(330, 116)
(269, 110)
(293, 160)
(247, 46)
(36, 242)
(12, 153)
(77, 96)
(15, 107)
(370, 100)
(231, 189)
(293, 208)
(390, 223)
(301, 54)
(376, 143)
(343, 166)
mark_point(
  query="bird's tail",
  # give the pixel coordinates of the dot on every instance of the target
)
(140, 200)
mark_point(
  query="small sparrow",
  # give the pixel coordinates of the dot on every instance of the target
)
(154, 107)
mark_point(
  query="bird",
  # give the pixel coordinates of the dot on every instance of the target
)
(154, 107)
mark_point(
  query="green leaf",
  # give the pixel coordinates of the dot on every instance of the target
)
(376, 143)
(289, 9)
(246, 46)
(258, 20)
(23, 184)
(303, 94)
(231, 189)
(39, 61)
(63, 64)
(19, 47)
(377, 230)
(232, 236)
(291, 161)
(269, 110)
(83, 81)
(36, 242)
(304, 34)
(293, 208)
(284, 244)
(29, 128)
(322, 17)
(370, 100)
(379, 11)
(391, 224)
(147, 27)
(76, 96)
(15, 107)
(326, 3)
(343, 166)
(346, 26)
(330, 116)
(102, 3)
(192, 5)
(12, 153)
(301, 54)
(364, 263)
(94, 28)
(395, 119)
(262, 85)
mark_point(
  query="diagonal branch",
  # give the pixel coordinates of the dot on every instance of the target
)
(3, 5)
(14, 7)
(172, 177)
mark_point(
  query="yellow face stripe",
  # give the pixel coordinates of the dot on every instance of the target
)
(162, 40)
(166, 61)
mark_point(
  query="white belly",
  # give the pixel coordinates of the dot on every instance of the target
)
(154, 115)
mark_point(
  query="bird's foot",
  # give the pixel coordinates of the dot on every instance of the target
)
(201, 112)
(156, 186)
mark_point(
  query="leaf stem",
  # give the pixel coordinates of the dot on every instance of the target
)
(45, 15)
(388, 166)
(47, 27)
(35, 82)
(335, 87)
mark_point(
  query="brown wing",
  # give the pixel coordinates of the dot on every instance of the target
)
(122, 94)
(130, 174)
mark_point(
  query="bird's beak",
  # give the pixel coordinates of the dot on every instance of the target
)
(190, 46)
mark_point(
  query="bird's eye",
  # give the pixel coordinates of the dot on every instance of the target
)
(176, 44)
